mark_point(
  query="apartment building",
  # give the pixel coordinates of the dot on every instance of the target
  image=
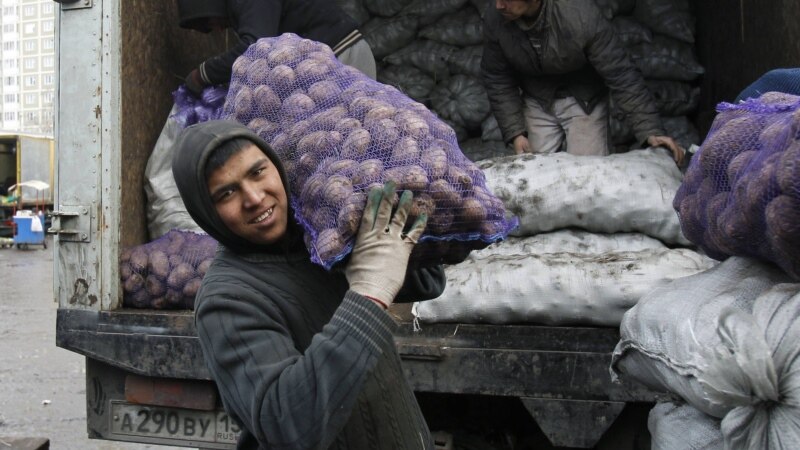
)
(28, 66)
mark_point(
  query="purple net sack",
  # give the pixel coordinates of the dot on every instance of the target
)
(339, 132)
(741, 194)
(166, 273)
(192, 109)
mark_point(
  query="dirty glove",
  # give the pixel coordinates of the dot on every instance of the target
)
(377, 266)
(194, 82)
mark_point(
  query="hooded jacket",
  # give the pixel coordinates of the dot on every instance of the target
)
(251, 20)
(300, 361)
(570, 48)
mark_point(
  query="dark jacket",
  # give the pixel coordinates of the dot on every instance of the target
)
(570, 48)
(251, 20)
(300, 360)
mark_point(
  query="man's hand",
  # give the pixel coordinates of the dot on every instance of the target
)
(377, 267)
(521, 144)
(678, 152)
(194, 82)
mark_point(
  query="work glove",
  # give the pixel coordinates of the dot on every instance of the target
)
(378, 263)
(194, 82)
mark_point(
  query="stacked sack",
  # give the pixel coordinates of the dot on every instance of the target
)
(431, 50)
(724, 342)
(595, 235)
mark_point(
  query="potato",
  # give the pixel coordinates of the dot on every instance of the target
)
(763, 186)
(406, 152)
(774, 136)
(459, 178)
(327, 119)
(125, 270)
(323, 217)
(138, 259)
(158, 264)
(336, 166)
(283, 54)
(180, 275)
(239, 68)
(379, 112)
(412, 125)
(202, 268)
(306, 164)
(297, 131)
(412, 177)
(735, 228)
(346, 125)
(319, 143)
(349, 217)
(133, 283)
(262, 47)
(367, 172)
(191, 287)
(243, 103)
(362, 104)
(311, 70)
(155, 286)
(735, 136)
(281, 142)
(441, 221)
(336, 189)
(434, 160)
(788, 170)
(329, 244)
(313, 187)
(257, 72)
(689, 224)
(384, 132)
(264, 128)
(138, 299)
(296, 107)
(172, 299)
(445, 195)
(472, 211)
(267, 101)
(783, 220)
(356, 144)
(738, 163)
(325, 92)
(422, 203)
(282, 78)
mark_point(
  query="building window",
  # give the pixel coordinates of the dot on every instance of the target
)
(48, 80)
(30, 28)
(32, 117)
(10, 45)
(30, 45)
(48, 97)
(29, 11)
(30, 99)
(10, 11)
(10, 28)
(10, 81)
(48, 61)
(30, 81)
(9, 116)
(47, 26)
(47, 43)
(30, 63)
(10, 63)
(47, 8)
(9, 98)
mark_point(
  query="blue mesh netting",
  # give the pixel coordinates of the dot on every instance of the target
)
(192, 109)
(166, 273)
(339, 132)
(741, 194)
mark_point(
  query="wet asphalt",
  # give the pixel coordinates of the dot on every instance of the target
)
(42, 387)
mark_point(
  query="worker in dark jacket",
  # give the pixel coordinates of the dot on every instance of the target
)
(303, 357)
(548, 66)
(251, 20)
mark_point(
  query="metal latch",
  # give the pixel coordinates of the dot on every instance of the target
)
(74, 4)
(71, 223)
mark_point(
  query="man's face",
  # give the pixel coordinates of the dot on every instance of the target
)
(250, 197)
(514, 9)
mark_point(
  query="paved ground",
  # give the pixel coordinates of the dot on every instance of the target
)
(42, 387)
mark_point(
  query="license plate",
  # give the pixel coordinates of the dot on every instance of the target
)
(172, 423)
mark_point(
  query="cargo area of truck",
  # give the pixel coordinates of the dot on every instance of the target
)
(110, 119)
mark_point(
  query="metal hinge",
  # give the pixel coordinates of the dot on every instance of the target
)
(72, 223)
(74, 4)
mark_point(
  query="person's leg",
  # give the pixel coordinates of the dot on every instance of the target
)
(586, 134)
(359, 55)
(544, 133)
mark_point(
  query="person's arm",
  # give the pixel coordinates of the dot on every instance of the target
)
(253, 20)
(289, 399)
(422, 284)
(501, 85)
